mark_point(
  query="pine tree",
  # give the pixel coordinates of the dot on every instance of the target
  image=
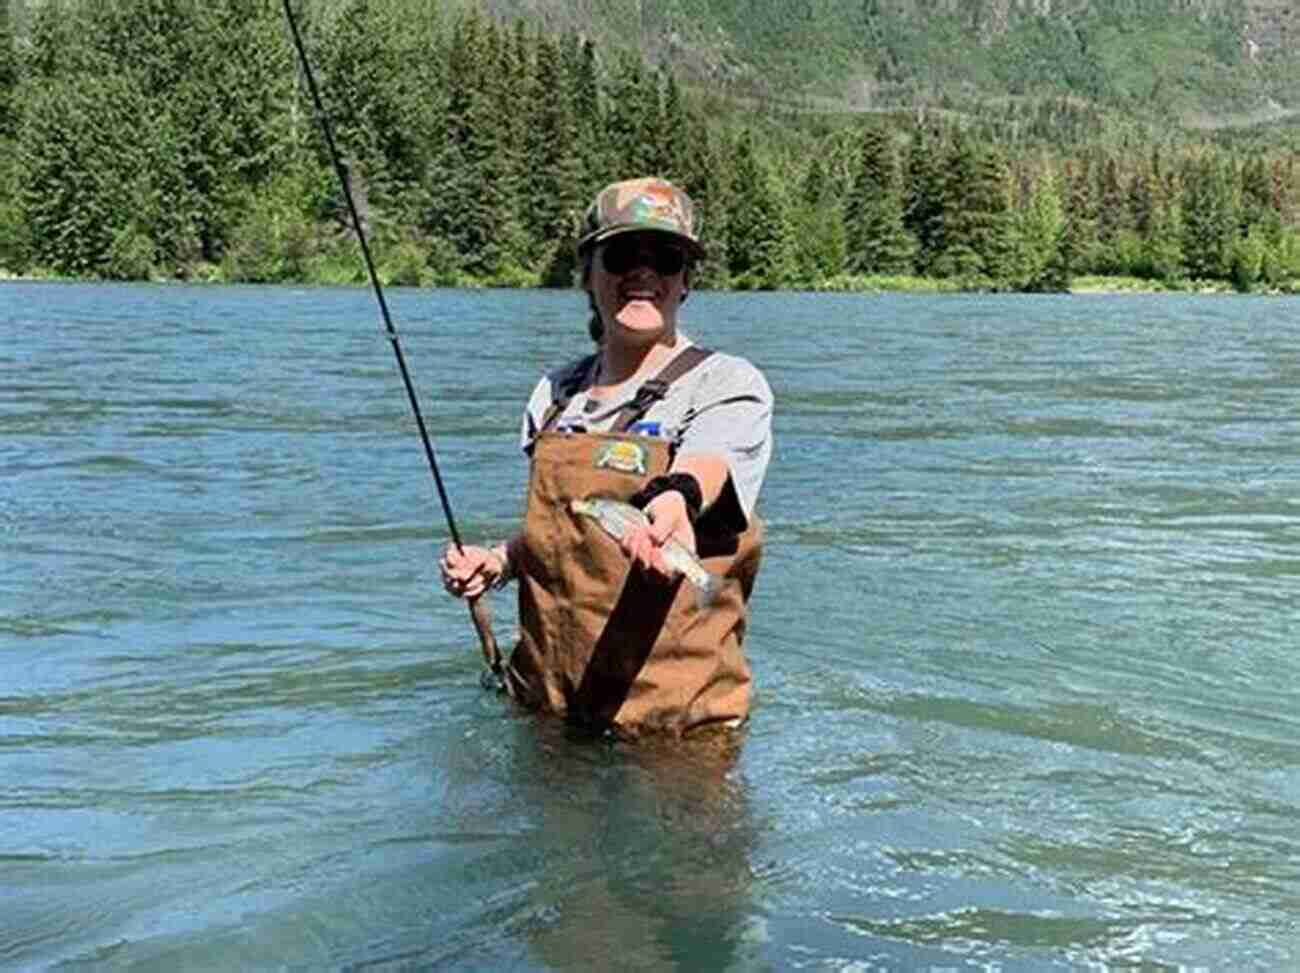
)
(706, 180)
(996, 236)
(819, 227)
(761, 244)
(923, 194)
(957, 255)
(450, 182)
(1284, 189)
(1114, 218)
(876, 240)
(555, 186)
(1258, 208)
(1042, 225)
(1080, 239)
(80, 139)
(9, 74)
(1141, 202)
(1210, 222)
(13, 232)
(1159, 226)
(237, 101)
(474, 206)
(592, 150)
(670, 137)
(360, 82)
(510, 83)
(632, 118)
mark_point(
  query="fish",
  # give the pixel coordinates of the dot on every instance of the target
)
(618, 519)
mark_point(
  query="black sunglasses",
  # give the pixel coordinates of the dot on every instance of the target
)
(621, 254)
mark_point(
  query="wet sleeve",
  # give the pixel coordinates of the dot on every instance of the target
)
(731, 416)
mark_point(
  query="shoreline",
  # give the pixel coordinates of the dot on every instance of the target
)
(883, 284)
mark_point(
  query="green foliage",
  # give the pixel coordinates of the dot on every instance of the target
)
(380, 69)
(83, 168)
(708, 180)
(279, 239)
(553, 181)
(1251, 259)
(9, 72)
(1161, 257)
(153, 138)
(760, 243)
(1040, 231)
(1210, 222)
(978, 216)
(819, 227)
(15, 239)
(923, 193)
(876, 240)
(1041, 54)
(1282, 262)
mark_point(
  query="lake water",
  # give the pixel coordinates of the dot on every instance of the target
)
(1025, 640)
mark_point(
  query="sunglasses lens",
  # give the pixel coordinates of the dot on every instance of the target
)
(669, 261)
(617, 257)
(620, 256)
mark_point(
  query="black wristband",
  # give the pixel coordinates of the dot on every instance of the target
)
(683, 483)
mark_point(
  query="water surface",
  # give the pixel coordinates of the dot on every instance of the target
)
(1025, 643)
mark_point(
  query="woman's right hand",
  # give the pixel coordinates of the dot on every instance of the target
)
(469, 571)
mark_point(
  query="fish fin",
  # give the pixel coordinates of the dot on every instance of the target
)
(707, 593)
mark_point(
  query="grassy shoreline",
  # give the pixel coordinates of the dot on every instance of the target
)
(844, 284)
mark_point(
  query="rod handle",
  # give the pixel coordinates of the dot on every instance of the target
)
(481, 613)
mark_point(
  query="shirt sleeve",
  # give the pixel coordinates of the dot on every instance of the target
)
(534, 412)
(731, 416)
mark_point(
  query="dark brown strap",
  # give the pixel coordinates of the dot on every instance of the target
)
(647, 395)
(656, 388)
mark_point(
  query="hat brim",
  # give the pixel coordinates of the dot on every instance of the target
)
(693, 246)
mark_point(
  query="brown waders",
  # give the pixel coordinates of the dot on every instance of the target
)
(603, 643)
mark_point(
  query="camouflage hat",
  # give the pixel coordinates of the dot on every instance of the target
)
(641, 204)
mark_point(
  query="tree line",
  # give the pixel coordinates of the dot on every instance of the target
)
(173, 138)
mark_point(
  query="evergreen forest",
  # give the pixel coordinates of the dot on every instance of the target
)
(174, 139)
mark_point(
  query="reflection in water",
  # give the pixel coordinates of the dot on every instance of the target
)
(634, 852)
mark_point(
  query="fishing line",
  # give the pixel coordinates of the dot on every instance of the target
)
(478, 607)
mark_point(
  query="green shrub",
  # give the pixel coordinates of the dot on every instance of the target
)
(276, 239)
(1247, 255)
(131, 255)
(404, 262)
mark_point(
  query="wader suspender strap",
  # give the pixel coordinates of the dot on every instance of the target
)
(568, 389)
(656, 388)
(647, 395)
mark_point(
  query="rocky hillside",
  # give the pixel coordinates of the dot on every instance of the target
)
(1208, 63)
(1272, 28)
(1267, 27)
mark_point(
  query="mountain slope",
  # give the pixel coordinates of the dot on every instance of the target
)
(1208, 63)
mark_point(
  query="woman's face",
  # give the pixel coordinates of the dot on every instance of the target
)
(638, 280)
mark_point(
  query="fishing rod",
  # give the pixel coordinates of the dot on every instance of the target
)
(478, 608)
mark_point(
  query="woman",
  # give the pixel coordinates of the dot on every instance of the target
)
(610, 634)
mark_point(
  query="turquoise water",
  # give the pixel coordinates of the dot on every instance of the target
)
(1025, 641)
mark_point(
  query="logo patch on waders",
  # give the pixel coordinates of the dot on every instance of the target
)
(623, 456)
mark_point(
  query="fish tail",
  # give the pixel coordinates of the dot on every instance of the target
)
(707, 593)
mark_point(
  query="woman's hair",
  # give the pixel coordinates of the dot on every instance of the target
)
(595, 326)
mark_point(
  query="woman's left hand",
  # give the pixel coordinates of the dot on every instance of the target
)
(668, 521)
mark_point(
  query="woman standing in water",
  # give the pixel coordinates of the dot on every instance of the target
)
(611, 636)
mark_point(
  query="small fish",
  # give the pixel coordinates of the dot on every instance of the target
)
(618, 519)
